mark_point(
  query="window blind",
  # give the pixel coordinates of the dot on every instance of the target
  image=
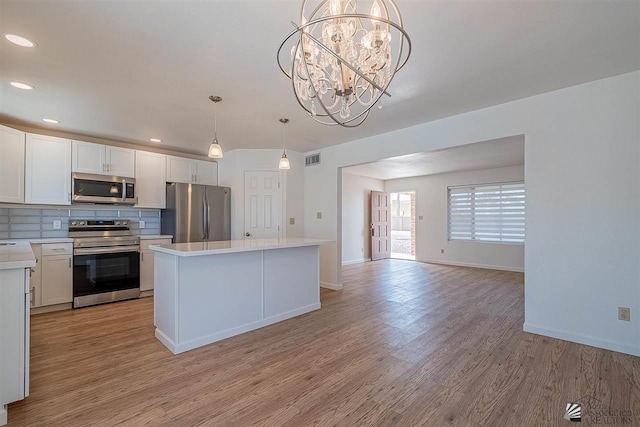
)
(492, 212)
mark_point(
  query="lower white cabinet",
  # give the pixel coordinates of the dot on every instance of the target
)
(147, 262)
(52, 277)
(14, 338)
(35, 293)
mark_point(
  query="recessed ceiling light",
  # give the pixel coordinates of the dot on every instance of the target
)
(20, 41)
(20, 85)
(155, 140)
(50, 121)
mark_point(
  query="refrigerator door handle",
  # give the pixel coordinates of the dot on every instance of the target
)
(205, 229)
(208, 219)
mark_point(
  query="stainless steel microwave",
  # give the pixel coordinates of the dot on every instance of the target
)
(112, 190)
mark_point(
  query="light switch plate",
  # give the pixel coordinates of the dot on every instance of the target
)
(57, 224)
(420, 217)
(318, 215)
(141, 224)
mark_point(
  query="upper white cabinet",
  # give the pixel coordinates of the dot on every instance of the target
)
(11, 165)
(103, 159)
(47, 170)
(191, 171)
(151, 180)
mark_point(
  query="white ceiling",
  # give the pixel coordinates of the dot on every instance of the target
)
(482, 155)
(134, 70)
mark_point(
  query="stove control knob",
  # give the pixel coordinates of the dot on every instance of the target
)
(74, 223)
(117, 222)
(82, 223)
(125, 222)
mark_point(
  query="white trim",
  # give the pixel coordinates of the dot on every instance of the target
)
(3, 415)
(466, 264)
(50, 308)
(634, 350)
(355, 261)
(209, 339)
(332, 286)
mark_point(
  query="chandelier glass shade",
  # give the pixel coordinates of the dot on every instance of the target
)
(343, 60)
(284, 160)
(215, 150)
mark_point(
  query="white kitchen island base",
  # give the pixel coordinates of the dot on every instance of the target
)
(206, 292)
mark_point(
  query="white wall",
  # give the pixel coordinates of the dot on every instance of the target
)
(231, 170)
(582, 152)
(431, 231)
(356, 243)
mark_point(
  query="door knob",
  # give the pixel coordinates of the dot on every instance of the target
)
(247, 234)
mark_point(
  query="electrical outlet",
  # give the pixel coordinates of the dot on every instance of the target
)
(57, 224)
(142, 224)
(624, 313)
(420, 217)
(318, 215)
(292, 221)
(441, 251)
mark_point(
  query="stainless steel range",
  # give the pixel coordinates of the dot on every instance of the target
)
(106, 261)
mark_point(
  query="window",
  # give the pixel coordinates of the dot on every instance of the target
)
(488, 212)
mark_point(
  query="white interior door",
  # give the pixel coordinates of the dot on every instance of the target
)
(262, 204)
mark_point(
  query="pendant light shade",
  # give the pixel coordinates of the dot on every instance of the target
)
(215, 150)
(284, 161)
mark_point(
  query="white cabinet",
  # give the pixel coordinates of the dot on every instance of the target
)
(47, 170)
(11, 165)
(191, 171)
(35, 292)
(147, 262)
(14, 337)
(206, 173)
(151, 180)
(57, 273)
(103, 159)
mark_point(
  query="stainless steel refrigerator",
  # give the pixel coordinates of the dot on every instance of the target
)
(197, 213)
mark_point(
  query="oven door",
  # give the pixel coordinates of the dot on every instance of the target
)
(105, 275)
(89, 188)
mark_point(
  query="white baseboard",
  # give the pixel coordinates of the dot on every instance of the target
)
(3, 415)
(582, 339)
(355, 261)
(209, 339)
(50, 308)
(331, 286)
(466, 264)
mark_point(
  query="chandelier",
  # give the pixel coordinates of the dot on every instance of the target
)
(343, 60)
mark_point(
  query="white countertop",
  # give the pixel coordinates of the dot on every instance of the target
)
(50, 240)
(231, 246)
(17, 254)
(163, 236)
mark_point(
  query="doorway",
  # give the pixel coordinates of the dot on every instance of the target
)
(262, 204)
(403, 225)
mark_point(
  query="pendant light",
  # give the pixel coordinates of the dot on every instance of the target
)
(284, 161)
(215, 150)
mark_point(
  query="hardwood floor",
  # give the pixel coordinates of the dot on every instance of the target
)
(404, 343)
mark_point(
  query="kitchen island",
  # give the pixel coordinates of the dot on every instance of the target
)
(16, 261)
(209, 291)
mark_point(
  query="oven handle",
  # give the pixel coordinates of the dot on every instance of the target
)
(111, 250)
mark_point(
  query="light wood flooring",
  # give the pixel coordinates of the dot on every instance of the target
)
(404, 343)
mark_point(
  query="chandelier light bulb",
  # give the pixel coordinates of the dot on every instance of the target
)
(341, 59)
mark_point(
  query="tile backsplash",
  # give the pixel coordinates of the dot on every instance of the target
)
(28, 223)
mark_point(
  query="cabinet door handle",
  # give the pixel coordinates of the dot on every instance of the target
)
(33, 295)
(69, 262)
(141, 256)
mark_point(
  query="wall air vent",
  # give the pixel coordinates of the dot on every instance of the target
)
(312, 159)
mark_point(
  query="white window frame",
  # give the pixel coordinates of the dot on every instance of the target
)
(474, 214)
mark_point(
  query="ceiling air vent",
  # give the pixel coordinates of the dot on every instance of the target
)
(312, 159)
